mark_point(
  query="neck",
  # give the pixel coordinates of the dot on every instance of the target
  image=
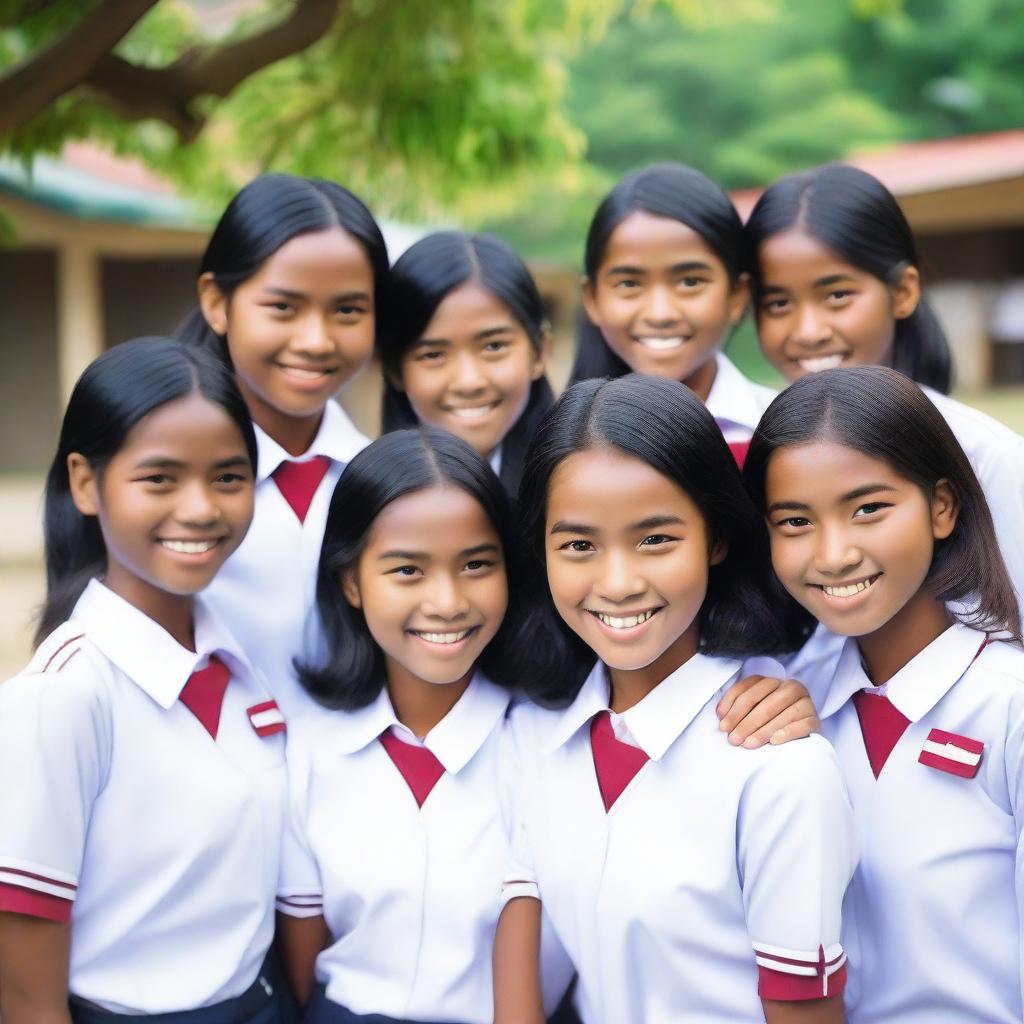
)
(419, 705)
(630, 686)
(294, 434)
(701, 381)
(172, 612)
(920, 621)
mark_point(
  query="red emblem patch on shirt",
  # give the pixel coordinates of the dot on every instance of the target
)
(266, 718)
(948, 752)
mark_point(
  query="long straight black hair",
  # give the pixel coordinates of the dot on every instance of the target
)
(421, 279)
(116, 391)
(351, 671)
(852, 213)
(662, 423)
(886, 416)
(664, 190)
(268, 212)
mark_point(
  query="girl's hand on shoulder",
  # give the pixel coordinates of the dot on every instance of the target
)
(764, 709)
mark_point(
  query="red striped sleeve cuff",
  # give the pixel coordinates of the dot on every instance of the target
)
(16, 900)
(789, 975)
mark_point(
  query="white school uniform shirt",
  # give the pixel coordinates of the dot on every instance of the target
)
(933, 915)
(717, 867)
(736, 402)
(411, 895)
(117, 799)
(266, 590)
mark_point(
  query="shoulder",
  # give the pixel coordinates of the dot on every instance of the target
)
(976, 431)
(805, 766)
(996, 678)
(764, 396)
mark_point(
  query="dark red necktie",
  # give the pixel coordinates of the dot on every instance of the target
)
(881, 725)
(739, 451)
(298, 481)
(203, 694)
(419, 766)
(616, 762)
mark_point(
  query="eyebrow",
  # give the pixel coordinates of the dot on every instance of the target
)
(653, 522)
(822, 282)
(424, 556)
(163, 462)
(563, 527)
(857, 492)
(288, 293)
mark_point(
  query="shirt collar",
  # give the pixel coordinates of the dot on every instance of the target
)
(495, 460)
(657, 721)
(337, 438)
(453, 741)
(733, 398)
(144, 651)
(920, 684)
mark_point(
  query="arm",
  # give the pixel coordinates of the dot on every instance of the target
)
(517, 994)
(816, 1011)
(33, 970)
(765, 709)
(300, 941)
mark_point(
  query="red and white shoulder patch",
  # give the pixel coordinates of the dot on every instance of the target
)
(948, 752)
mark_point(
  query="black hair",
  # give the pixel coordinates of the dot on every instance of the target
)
(116, 390)
(352, 672)
(662, 423)
(421, 279)
(665, 190)
(857, 217)
(885, 415)
(268, 212)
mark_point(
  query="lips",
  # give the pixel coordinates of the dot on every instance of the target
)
(443, 638)
(815, 364)
(845, 591)
(472, 412)
(190, 547)
(657, 343)
(307, 373)
(624, 622)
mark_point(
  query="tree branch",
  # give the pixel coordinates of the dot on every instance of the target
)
(167, 93)
(30, 86)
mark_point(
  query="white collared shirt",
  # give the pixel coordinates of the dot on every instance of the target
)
(735, 401)
(266, 590)
(933, 913)
(117, 798)
(714, 859)
(411, 895)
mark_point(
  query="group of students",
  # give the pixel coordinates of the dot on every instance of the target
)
(499, 710)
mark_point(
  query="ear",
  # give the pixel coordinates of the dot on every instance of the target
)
(350, 588)
(214, 304)
(85, 486)
(590, 300)
(906, 293)
(719, 550)
(542, 354)
(739, 298)
(945, 510)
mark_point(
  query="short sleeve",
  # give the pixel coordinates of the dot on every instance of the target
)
(299, 888)
(55, 736)
(796, 848)
(519, 878)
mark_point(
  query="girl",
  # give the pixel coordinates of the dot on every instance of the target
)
(877, 524)
(143, 760)
(665, 285)
(463, 346)
(836, 282)
(685, 878)
(392, 864)
(288, 289)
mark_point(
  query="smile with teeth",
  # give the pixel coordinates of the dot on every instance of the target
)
(815, 364)
(471, 412)
(658, 344)
(191, 547)
(848, 589)
(442, 638)
(307, 372)
(624, 621)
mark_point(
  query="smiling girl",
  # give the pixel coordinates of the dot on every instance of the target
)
(665, 285)
(686, 878)
(143, 762)
(463, 343)
(878, 528)
(392, 864)
(288, 291)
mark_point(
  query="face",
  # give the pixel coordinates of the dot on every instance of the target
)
(663, 300)
(627, 556)
(431, 583)
(817, 311)
(471, 372)
(301, 326)
(173, 503)
(851, 539)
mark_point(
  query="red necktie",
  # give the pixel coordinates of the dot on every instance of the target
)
(739, 451)
(616, 762)
(881, 725)
(298, 481)
(419, 766)
(203, 694)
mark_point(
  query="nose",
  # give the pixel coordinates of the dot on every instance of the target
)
(444, 598)
(660, 308)
(313, 337)
(198, 506)
(836, 555)
(467, 378)
(811, 329)
(619, 580)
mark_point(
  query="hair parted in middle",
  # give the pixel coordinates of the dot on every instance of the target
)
(662, 423)
(350, 672)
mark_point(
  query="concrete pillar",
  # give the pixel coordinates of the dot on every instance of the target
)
(79, 313)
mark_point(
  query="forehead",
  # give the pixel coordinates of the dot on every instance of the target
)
(606, 488)
(643, 238)
(821, 472)
(468, 309)
(441, 519)
(795, 257)
(191, 428)
(330, 261)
